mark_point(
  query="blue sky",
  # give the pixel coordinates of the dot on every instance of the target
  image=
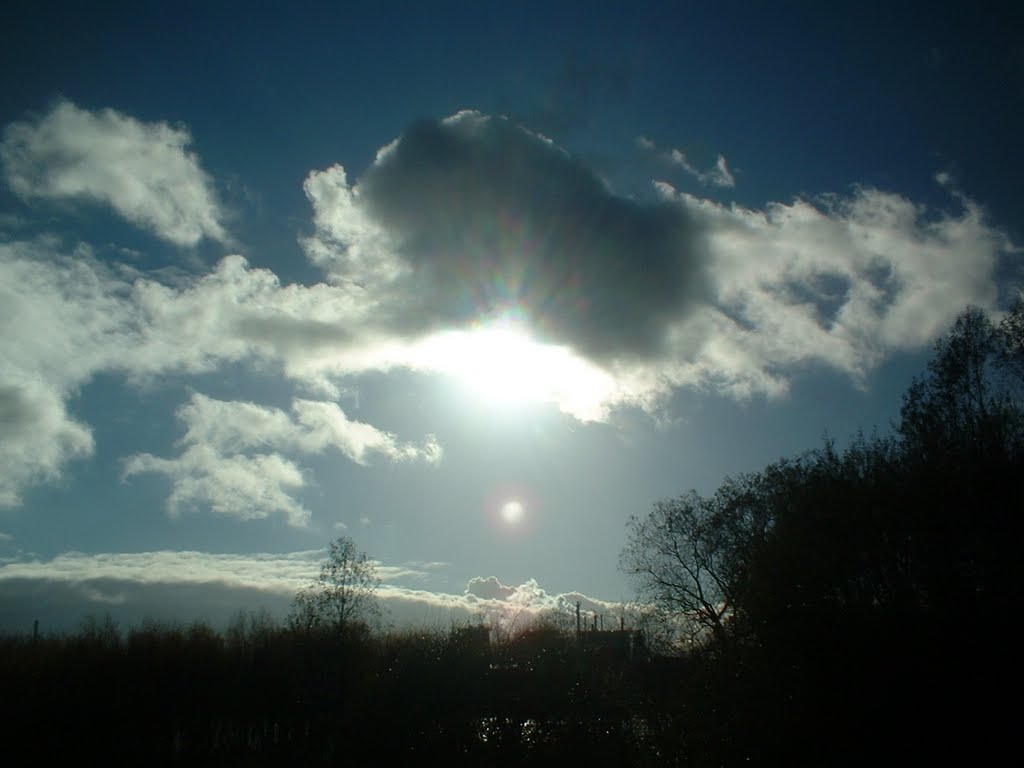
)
(469, 285)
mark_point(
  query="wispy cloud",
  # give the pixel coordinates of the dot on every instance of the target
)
(718, 175)
(271, 572)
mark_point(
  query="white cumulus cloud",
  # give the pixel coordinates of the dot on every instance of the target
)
(844, 282)
(236, 485)
(144, 171)
(62, 318)
(39, 437)
(232, 463)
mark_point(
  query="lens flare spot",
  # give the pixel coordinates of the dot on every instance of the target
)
(512, 512)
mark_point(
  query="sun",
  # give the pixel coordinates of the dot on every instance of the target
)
(506, 367)
(502, 365)
(512, 512)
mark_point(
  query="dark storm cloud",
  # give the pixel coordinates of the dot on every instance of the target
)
(490, 216)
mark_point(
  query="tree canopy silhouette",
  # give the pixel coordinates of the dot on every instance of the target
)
(890, 529)
(866, 590)
(687, 556)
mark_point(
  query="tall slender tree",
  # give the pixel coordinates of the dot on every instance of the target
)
(343, 593)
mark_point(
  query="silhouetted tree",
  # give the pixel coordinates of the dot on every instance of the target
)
(677, 558)
(964, 407)
(343, 592)
(962, 427)
(1011, 333)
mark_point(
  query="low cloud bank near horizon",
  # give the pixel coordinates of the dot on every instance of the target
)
(181, 587)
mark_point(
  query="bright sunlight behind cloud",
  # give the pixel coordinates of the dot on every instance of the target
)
(471, 248)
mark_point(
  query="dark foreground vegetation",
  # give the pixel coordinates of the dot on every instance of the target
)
(271, 695)
(845, 607)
